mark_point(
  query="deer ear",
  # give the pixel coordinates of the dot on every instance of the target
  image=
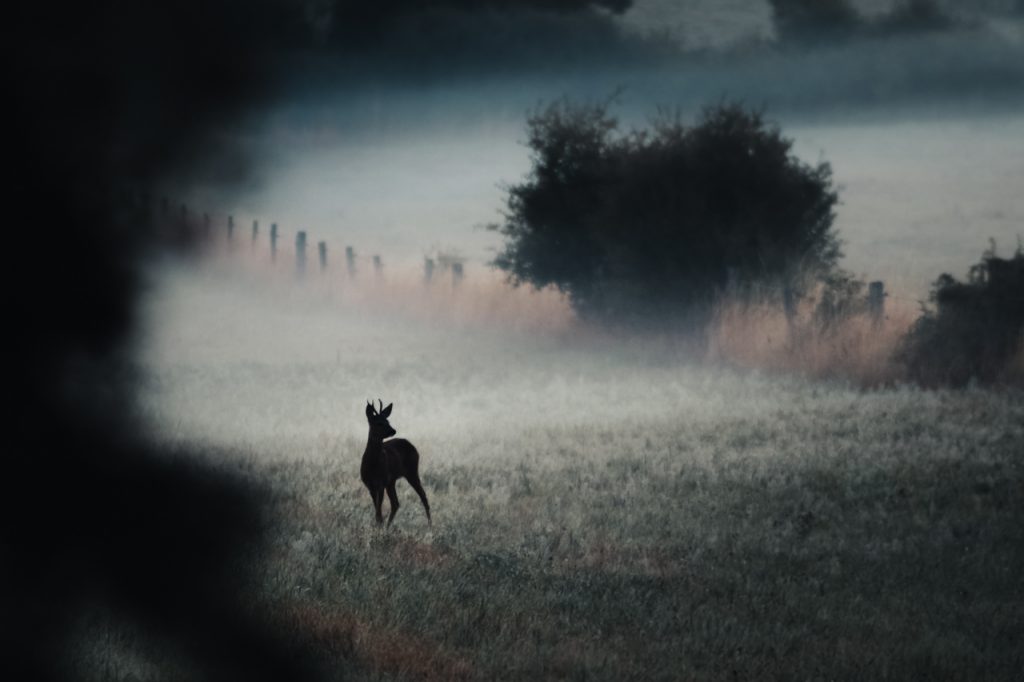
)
(386, 412)
(369, 410)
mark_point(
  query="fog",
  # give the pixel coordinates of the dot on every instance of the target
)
(248, 362)
(925, 133)
(924, 130)
(919, 196)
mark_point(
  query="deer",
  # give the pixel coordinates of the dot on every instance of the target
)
(384, 462)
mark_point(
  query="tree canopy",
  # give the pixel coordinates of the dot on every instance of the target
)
(973, 330)
(647, 225)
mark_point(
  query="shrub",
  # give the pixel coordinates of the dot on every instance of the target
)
(840, 298)
(973, 329)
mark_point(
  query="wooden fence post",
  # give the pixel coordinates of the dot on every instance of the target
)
(255, 231)
(231, 228)
(457, 274)
(322, 248)
(876, 301)
(273, 242)
(378, 267)
(350, 261)
(300, 253)
(428, 270)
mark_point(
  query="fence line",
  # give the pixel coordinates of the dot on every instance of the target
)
(431, 266)
(874, 301)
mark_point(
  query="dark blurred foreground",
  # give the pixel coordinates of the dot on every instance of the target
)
(105, 103)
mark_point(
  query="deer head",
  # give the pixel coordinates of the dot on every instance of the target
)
(379, 426)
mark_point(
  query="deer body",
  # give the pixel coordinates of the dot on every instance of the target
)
(384, 462)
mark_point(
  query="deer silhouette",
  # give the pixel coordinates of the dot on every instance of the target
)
(386, 462)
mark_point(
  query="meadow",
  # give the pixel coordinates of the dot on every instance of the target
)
(604, 507)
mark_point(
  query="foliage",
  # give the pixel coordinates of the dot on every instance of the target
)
(973, 329)
(840, 298)
(650, 224)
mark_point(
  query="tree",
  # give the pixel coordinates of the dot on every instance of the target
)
(973, 330)
(648, 225)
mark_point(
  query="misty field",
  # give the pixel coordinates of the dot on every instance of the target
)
(602, 509)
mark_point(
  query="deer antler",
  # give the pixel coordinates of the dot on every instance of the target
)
(369, 404)
(381, 405)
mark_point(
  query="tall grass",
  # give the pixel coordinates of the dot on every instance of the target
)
(745, 332)
(758, 335)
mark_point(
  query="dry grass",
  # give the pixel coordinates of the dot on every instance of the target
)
(405, 655)
(758, 336)
(481, 299)
(743, 333)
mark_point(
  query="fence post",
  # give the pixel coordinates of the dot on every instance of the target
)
(456, 274)
(350, 261)
(428, 270)
(231, 228)
(322, 248)
(378, 267)
(300, 253)
(255, 231)
(876, 301)
(273, 242)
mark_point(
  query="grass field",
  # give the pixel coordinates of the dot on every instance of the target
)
(602, 509)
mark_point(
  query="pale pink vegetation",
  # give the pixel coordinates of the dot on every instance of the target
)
(750, 335)
(482, 299)
(757, 335)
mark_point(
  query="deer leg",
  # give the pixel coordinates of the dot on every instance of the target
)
(378, 499)
(414, 481)
(393, 497)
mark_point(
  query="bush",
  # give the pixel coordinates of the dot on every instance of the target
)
(841, 297)
(648, 225)
(973, 329)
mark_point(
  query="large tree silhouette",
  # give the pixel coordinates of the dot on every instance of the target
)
(648, 225)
